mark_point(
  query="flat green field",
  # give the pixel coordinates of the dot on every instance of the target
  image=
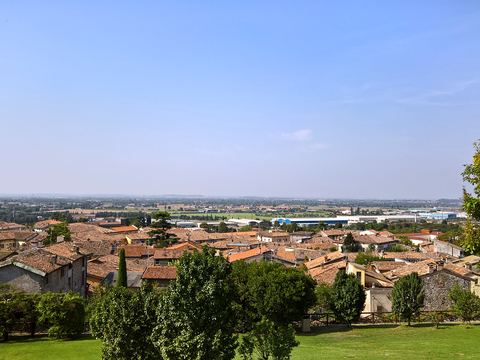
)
(421, 341)
(261, 216)
(40, 348)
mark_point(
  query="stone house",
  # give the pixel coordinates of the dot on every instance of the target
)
(56, 268)
(273, 236)
(438, 280)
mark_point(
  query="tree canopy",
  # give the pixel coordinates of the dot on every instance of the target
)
(55, 231)
(271, 290)
(407, 296)
(159, 235)
(268, 340)
(349, 243)
(466, 303)
(347, 297)
(195, 319)
(124, 321)
(471, 202)
(222, 227)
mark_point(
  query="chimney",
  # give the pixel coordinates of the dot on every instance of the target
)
(440, 265)
(468, 266)
(76, 250)
(431, 268)
(53, 259)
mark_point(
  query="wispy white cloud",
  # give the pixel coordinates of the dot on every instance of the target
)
(218, 151)
(313, 147)
(440, 97)
(299, 135)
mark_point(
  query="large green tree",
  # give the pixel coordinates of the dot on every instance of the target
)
(466, 303)
(159, 235)
(124, 321)
(347, 298)
(222, 227)
(65, 313)
(9, 307)
(196, 319)
(407, 296)
(57, 230)
(268, 340)
(349, 243)
(271, 290)
(471, 202)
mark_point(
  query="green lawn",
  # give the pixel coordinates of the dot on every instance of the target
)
(420, 341)
(43, 348)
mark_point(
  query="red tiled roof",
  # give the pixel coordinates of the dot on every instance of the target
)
(388, 265)
(188, 245)
(160, 273)
(422, 269)
(66, 250)
(336, 255)
(137, 251)
(38, 259)
(247, 254)
(373, 239)
(168, 254)
(327, 273)
(124, 228)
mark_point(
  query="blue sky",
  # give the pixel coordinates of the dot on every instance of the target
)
(364, 99)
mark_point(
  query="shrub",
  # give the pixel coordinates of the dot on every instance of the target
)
(347, 298)
(64, 313)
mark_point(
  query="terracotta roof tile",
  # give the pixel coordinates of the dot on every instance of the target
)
(160, 273)
(137, 251)
(388, 265)
(124, 228)
(247, 254)
(337, 255)
(373, 239)
(328, 273)
(188, 245)
(421, 268)
(66, 250)
(168, 254)
(38, 259)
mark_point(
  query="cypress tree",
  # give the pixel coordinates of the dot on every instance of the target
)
(122, 270)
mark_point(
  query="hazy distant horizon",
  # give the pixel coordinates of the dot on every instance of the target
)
(272, 99)
(186, 196)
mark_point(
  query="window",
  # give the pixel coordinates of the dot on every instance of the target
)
(359, 275)
(70, 265)
(62, 272)
(46, 279)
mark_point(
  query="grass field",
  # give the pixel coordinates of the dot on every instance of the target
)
(420, 341)
(43, 348)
